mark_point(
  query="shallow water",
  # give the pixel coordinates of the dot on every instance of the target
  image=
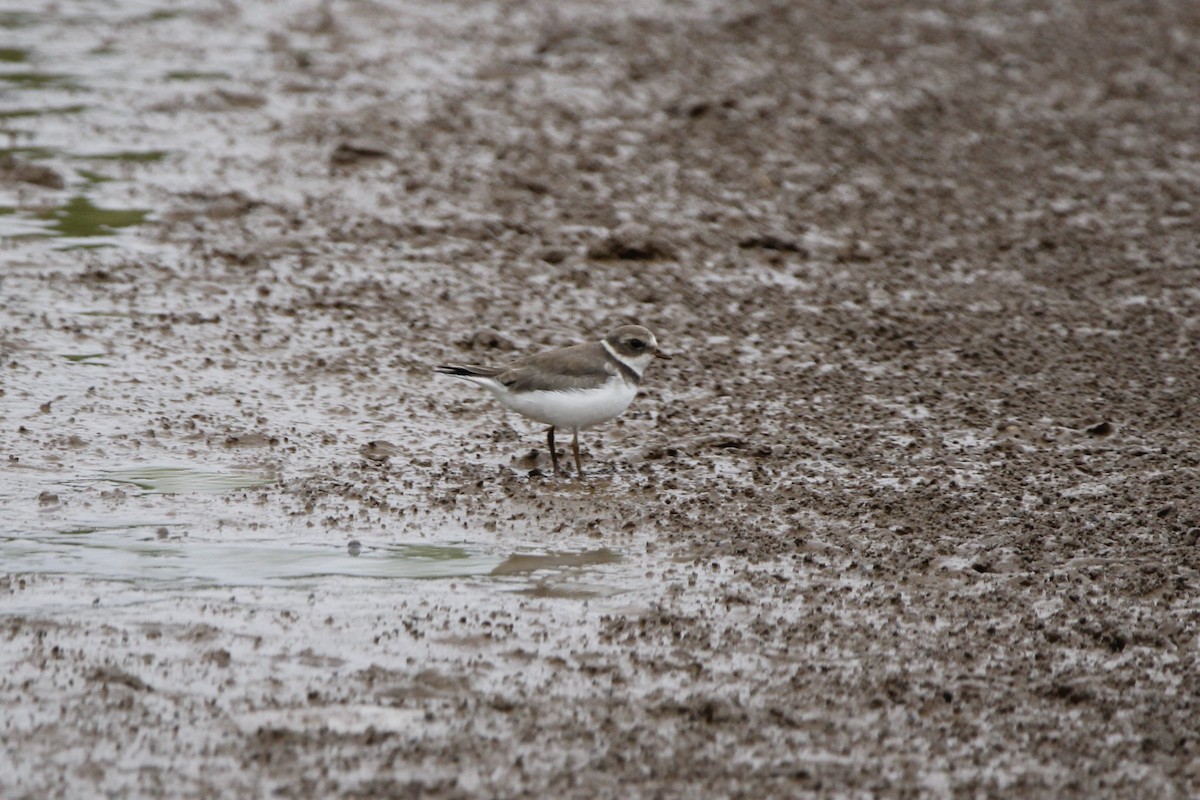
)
(170, 480)
(156, 554)
(168, 527)
(75, 183)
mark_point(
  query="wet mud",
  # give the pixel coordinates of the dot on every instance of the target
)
(912, 512)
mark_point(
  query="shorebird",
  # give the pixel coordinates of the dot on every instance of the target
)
(573, 387)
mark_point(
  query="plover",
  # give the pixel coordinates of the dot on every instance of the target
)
(573, 387)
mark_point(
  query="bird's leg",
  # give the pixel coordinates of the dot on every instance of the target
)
(575, 447)
(553, 453)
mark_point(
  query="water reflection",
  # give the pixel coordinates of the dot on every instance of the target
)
(77, 218)
(143, 554)
(166, 555)
(174, 480)
(527, 563)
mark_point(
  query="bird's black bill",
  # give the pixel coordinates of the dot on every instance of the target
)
(662, 355)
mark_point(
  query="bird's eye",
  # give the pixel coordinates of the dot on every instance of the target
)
(636, 344)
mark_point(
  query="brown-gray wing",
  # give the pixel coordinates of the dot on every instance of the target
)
(584, 366)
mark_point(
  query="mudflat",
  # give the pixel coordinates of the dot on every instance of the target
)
(912, 513)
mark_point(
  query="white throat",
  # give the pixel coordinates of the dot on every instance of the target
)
(638, 364)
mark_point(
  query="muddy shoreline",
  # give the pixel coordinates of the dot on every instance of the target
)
(911, 513)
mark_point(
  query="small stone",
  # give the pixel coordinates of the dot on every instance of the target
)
(378, 451)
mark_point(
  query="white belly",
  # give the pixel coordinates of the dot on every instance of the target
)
(579, 408)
